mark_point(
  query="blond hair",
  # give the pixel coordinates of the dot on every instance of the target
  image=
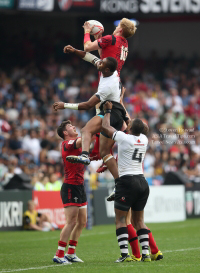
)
(128, 27)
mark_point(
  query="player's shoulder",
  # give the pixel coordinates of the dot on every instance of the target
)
(66, 144)
(107, 36)
(69, 141)
(118, 135)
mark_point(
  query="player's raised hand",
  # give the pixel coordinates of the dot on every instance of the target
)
(107, 106)
(69, 49)
(87, 27)
(58, 105)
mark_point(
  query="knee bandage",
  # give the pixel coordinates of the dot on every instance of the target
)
(107, 157)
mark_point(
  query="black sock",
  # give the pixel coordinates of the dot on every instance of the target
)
(85, 154)
(122, 237)
(143, 235)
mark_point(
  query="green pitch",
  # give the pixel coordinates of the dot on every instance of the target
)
(33, 251)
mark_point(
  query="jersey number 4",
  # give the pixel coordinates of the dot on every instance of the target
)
(135, 154)
(124, 53)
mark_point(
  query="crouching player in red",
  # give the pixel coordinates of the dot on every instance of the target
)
(73, 196)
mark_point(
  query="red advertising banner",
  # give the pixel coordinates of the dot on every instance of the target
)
(49, 202)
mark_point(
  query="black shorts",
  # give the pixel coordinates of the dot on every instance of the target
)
(116, 120)
(73, 195)
(132, 191)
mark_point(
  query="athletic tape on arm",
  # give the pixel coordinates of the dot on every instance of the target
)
(73, 106)
(97, 111)
(91, 58)
(107, 157)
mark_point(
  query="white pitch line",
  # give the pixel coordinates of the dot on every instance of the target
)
(177, 250)
(47, 266)
(31, 268)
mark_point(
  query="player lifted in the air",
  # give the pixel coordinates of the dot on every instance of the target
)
(116, 46)
(109, 89)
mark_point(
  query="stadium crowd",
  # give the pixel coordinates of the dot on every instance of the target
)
(164, 92)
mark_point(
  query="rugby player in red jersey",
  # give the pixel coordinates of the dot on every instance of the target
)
(72, 194)
(116, 46)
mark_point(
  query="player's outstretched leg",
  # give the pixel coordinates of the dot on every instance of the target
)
(92, 127)
(105, 145)
(111, 197)
(95, 154)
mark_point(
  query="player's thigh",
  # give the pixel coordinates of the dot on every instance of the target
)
(93, 126)
(105, 145)
(120, 216)
(123, 198)
(140, 189)
(124, 127)
(82, 215)
(71, 213)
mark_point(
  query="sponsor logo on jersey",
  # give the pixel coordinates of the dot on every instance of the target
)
(76, 199)
(123, 199)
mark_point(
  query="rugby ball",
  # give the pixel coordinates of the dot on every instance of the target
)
(98, 27)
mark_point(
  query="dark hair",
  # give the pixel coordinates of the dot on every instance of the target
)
(111, 63)
(62, 128)
(137, 126)
(145, 130)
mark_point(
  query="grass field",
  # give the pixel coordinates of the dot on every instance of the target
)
(33, 251)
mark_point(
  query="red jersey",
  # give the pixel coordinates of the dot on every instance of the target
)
(116, 47)
(74, 172)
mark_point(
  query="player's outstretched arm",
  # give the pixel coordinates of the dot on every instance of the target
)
(78, 143)
(94, 100)
(88, 44)
(96, 37)
(109, 130)
(88, 57)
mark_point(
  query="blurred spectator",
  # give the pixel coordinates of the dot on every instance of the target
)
(174, 101)
(15, 143)
(31, 144)
(33, 220)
